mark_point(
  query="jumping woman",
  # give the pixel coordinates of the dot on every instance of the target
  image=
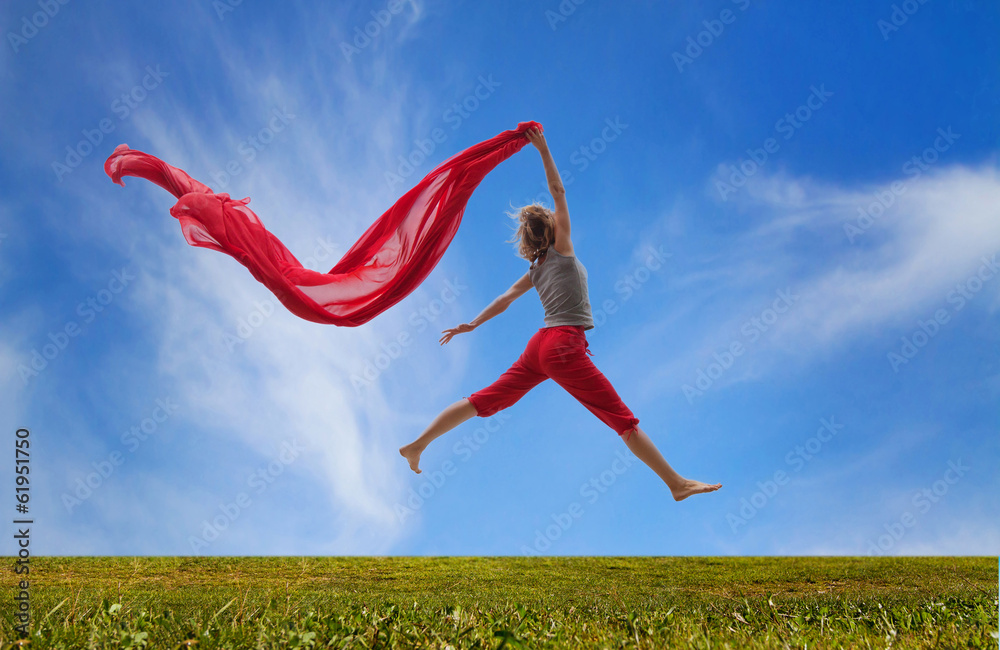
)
(558, 350)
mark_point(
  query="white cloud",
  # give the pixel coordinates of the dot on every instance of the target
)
(937, 234)
(291, 378)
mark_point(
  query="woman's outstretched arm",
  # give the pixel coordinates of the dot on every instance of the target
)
(563, 243)
(499, 305)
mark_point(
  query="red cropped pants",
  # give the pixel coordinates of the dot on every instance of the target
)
(559, 353)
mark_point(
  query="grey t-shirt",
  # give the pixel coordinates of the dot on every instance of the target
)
(561, 281)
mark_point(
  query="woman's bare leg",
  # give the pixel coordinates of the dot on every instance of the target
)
(447, 420)
(644, 449)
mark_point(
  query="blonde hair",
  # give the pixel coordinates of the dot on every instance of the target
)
(534, 232)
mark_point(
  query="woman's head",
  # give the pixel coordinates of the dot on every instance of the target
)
(534, 231)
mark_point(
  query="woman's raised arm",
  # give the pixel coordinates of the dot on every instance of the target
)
(563, 244)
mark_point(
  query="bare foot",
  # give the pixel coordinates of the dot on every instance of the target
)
(411, 453)
(693, 487)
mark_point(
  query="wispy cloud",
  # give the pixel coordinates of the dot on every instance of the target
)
(938, 234)
(311, 182)
(196, 327)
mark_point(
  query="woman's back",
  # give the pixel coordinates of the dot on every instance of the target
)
(561, 282)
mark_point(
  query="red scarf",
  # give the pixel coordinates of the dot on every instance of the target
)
(390, 260)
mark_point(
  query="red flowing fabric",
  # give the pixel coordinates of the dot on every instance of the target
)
(390, 260)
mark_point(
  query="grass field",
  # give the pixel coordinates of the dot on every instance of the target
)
(508, 602)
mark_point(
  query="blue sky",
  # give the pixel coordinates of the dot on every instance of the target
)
(789, 215)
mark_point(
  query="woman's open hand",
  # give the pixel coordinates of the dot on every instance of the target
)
(537, 138)
(460, 329)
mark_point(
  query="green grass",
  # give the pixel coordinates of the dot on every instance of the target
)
(508, 602)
